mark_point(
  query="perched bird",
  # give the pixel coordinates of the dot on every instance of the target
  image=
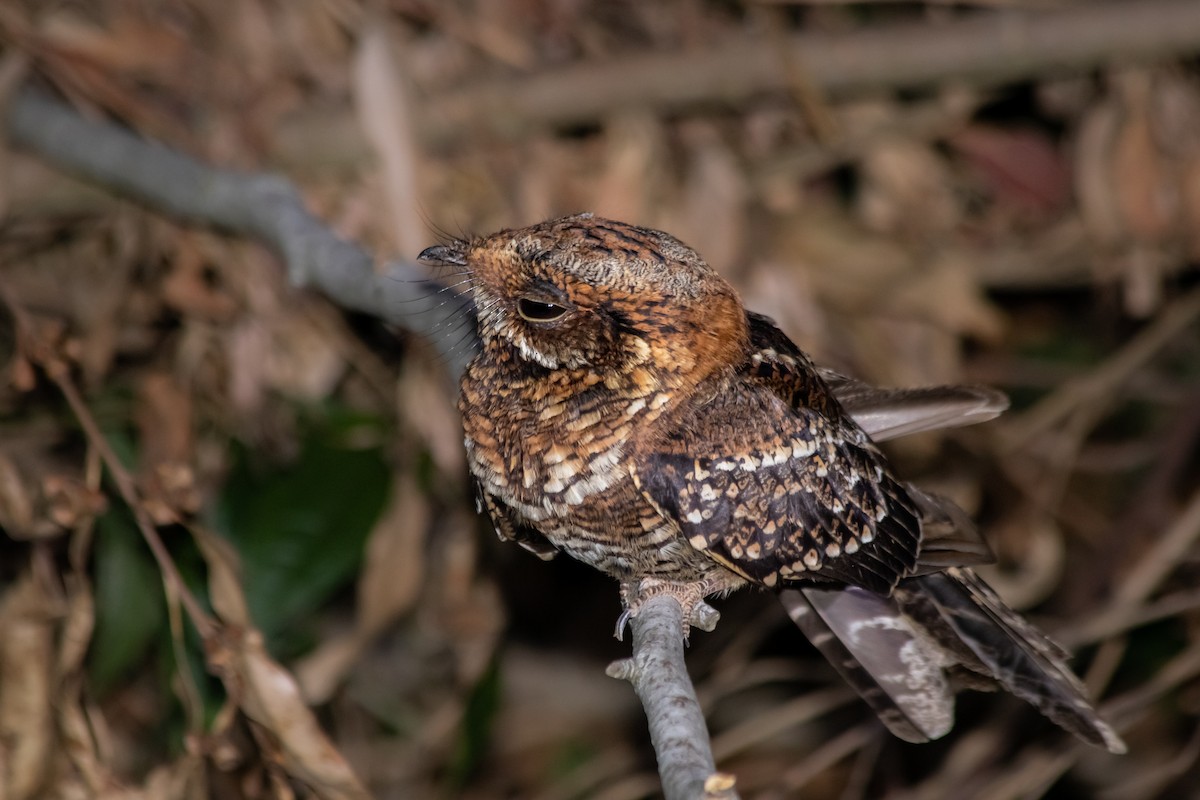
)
(625, 408)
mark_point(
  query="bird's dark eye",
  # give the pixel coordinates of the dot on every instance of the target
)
(539, 311)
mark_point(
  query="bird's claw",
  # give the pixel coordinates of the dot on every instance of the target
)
(690, 596)
(622, 623)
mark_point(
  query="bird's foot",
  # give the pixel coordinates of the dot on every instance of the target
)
(690, 596)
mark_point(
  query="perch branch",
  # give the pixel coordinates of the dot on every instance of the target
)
(677, 728)
(269, 209)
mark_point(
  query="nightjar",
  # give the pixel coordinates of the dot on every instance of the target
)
(626, 409)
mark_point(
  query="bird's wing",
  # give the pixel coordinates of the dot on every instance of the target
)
(889, 413)
(510, 529)
(768, 475)
(780, 490)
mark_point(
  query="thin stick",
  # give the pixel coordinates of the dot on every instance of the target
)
(677, 729)
(1100, 385)
(981, 49)
(129, 493)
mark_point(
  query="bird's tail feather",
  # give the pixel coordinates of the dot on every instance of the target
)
(894, 651)
(876, 650)
(1012, 652)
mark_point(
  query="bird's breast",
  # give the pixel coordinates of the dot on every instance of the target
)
(563, 462)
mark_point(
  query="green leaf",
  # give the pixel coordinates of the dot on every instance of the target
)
(130, 607)
(478, 720)
(300, 530)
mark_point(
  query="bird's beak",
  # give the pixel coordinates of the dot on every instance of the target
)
(443, 255)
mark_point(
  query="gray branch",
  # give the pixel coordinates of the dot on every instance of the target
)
(677, 728)
(268, 209)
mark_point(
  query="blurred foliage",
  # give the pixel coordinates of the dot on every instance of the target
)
(300, 528)
(130, 607)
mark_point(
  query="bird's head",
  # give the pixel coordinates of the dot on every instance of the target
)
(583, 292)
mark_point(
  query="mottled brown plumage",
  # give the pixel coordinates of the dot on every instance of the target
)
(627, 410)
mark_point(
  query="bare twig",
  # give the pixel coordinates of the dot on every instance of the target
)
(792, 713)
(844, 744)
(677, 727)
(129, 493)
(982, 49)
(263, 207)
(1165, 556)
(1097, 388)
(1114, 620)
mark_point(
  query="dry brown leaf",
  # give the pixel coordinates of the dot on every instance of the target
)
(426, 402)
(1191, 206)
(469, 607)
(252, 27)
(164, 419)
(321, 672)
(1145, 269)
(16, 500)
(88, 775)
(187, 290)
(270, 696)
(1175, 108)
(126, 44)
(1175, 111)
(1141, 178)
(265, 691)
(81, 769)
(1021, 167)
(386, 111)
(546, 161)
(394, 563)
(304, 360)
(907, 189)
(97, 295)
(1093, 176)
(76, 632)
(393, 572)
(224, 578)
(946, 293)
(186, 778)
(246, 346)
(786, 295)
(904, 351)
(495, 28)
(68, 502)
(1133, 181)
(28, 616)
(847, 266)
